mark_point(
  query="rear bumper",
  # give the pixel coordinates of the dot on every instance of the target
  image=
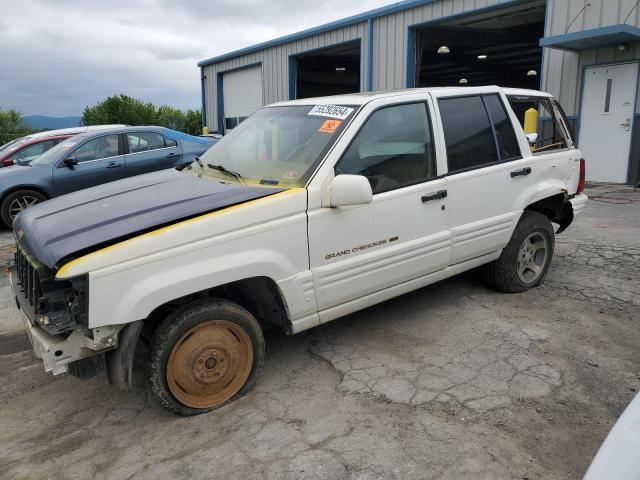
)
(58, 351)
(578, 202)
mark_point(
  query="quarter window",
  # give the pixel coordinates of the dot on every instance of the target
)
(101, 147)
(467, 132)
(393, 149)
(144, 141)
(553, 129)
(171, 142)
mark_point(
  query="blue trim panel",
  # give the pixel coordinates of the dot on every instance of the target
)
(594, 38)
(370, 55)
(327, 27)
(219, 104)
(204, 106)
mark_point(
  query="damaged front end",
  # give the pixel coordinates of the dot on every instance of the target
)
(55, 314)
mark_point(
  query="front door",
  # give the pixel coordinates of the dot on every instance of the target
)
(606, 120)
(98, 161)
(402, 234)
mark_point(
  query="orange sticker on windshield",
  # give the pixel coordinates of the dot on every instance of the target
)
(329, 126)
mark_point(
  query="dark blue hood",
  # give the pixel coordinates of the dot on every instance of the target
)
(98, 216)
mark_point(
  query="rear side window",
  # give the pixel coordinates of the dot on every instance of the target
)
(467, 132)
(393, 149)
(143, 141)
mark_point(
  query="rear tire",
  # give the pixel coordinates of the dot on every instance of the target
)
(204, 356)
(17, 201)
(525, 260)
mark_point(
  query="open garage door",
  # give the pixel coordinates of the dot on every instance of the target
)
(242, 95)
(328, 71)
(493, 48)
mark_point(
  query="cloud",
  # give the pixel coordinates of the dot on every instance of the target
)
(58, 57)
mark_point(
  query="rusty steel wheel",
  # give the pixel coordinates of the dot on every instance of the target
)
(197, 364)
(209, 364)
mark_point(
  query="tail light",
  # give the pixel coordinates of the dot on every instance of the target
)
(581, 179)
(7, 163)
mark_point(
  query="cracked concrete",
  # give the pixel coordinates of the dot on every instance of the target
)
(451, 381)
(483, 363)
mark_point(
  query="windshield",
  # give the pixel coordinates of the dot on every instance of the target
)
(53, 154)
(13, 143)
(277, 145)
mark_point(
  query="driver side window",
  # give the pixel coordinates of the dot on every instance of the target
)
(393, 149)
(101, 147)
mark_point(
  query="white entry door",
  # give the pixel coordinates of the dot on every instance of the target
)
(606, 120)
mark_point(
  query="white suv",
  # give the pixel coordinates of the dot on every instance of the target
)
(309, 210)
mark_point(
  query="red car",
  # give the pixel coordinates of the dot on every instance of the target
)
(25, 149)
(28, 148)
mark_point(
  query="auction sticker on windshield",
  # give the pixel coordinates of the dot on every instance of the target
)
(333, 111)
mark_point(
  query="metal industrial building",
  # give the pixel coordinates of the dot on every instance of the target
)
(584, 52)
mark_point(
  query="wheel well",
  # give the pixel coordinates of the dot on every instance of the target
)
(259, 295)
(556, 208)
(24, 187)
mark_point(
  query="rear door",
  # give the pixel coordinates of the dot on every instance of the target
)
(486, 173)
(99, 160)
(150, 151)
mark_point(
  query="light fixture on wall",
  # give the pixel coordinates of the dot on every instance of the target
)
(463, 81)
(532, 73)
(482, 57)
(443, 49)
(622, 47)
(340, 69)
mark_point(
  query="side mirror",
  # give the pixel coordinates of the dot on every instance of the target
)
(70, 162)
(532, 138)
(349, 190)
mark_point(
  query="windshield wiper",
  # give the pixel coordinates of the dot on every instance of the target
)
(226, 170)
(188, 165)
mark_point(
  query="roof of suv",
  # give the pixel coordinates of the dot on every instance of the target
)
(365, 97)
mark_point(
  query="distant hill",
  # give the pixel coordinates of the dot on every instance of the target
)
(42, 122)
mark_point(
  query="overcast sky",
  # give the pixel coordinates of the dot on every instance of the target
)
(58, 56)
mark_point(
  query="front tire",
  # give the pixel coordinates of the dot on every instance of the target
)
(16, 202)
(205, 355)
(524, 262)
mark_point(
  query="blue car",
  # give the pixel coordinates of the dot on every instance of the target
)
(94, 158)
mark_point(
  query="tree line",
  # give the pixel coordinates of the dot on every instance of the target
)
(114, 109)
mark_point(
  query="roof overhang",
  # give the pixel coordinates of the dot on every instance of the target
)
(594, 38)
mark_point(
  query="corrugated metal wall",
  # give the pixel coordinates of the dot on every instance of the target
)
(275, 65)
(389, 51)
(563, 70)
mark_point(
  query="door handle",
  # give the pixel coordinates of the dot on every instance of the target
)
(172, 154)
(627, 124)
(434, 196)
(521, 173)
(112, 165)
